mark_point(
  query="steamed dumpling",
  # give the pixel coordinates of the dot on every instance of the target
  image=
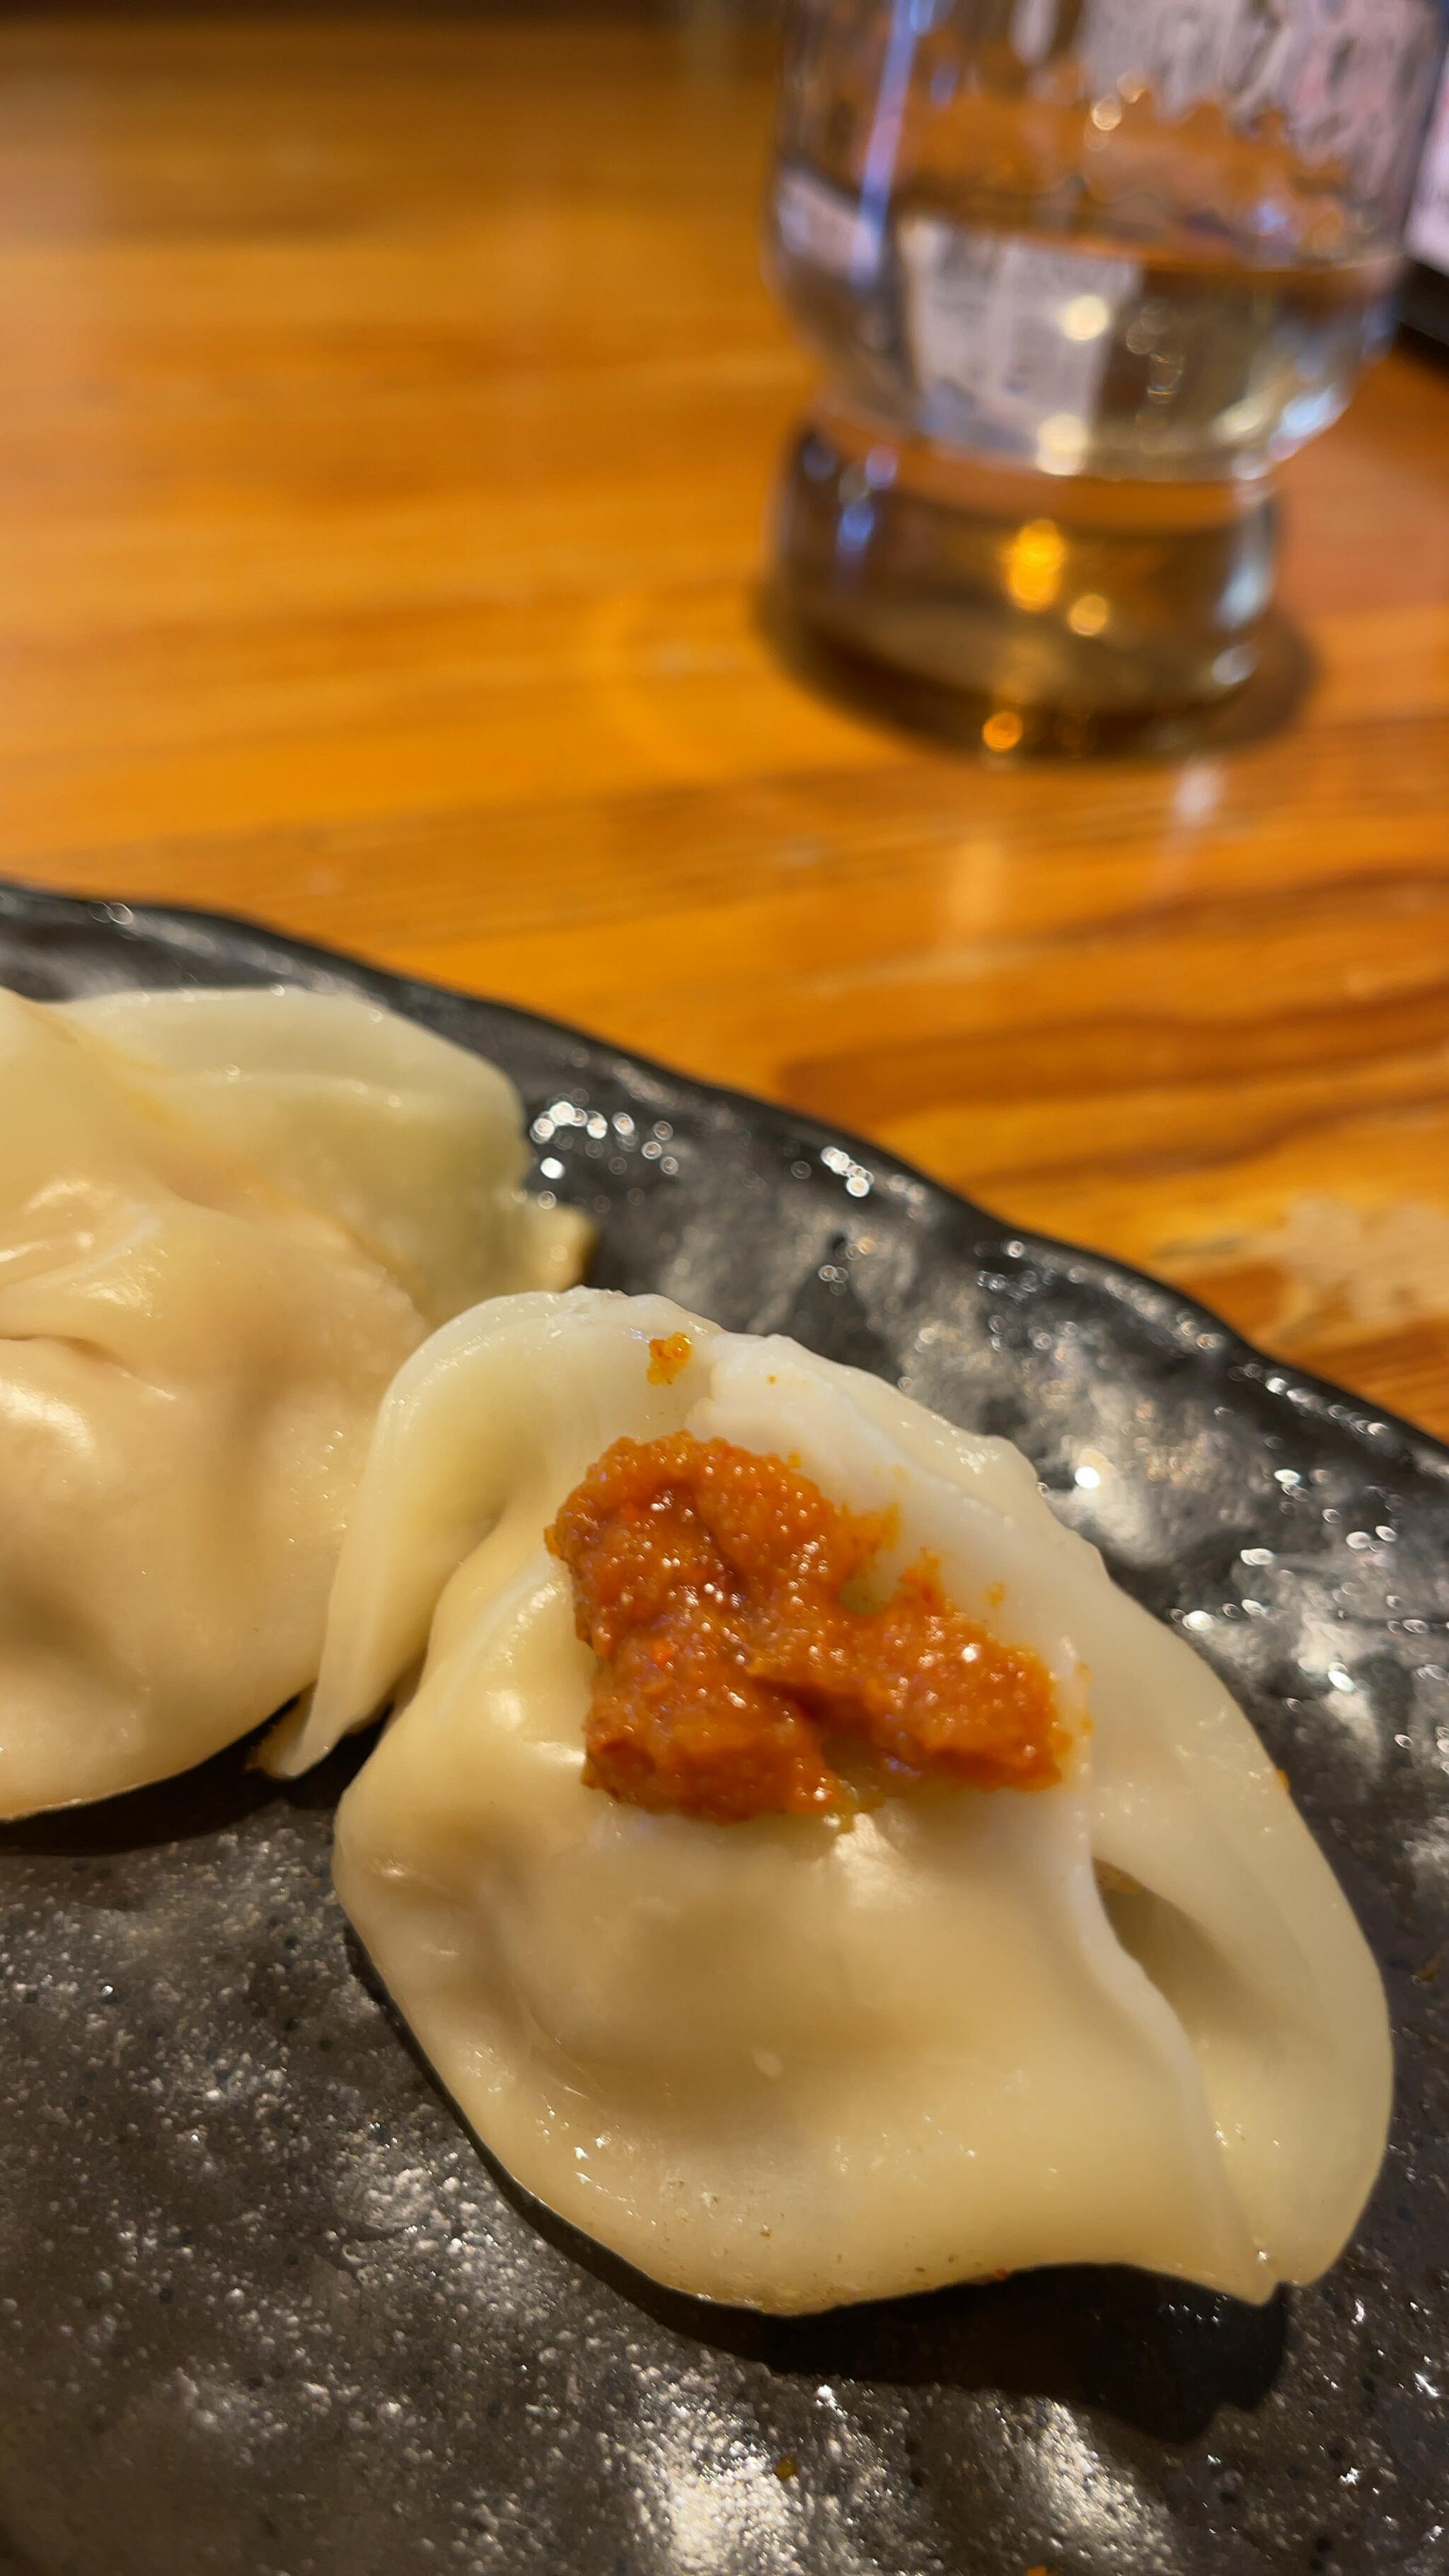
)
(1124, 2017)
(413, 1146)
(225, 1220)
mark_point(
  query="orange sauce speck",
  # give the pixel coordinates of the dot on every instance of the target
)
(668, 1356)
(735, 1677)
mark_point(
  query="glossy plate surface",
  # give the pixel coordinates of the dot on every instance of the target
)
(265, 2311)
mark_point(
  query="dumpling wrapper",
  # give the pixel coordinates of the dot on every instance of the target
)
(414, 1146)
(776, 2063)
(225, 1220)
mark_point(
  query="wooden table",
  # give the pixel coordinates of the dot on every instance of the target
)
(389, 415)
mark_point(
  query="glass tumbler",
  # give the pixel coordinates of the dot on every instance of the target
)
(1081, 274)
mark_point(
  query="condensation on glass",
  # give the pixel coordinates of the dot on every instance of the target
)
(1081, 274)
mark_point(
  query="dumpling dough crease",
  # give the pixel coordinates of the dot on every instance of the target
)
(225, 1220)
(1125, 2018)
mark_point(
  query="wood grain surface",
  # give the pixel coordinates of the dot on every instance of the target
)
(388, 417)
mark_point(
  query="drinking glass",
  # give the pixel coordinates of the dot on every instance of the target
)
(1081, 274)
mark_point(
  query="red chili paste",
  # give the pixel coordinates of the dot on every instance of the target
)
(735, 1675)
(668, 1356)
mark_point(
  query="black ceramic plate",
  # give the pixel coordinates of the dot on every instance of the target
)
(264, 2310)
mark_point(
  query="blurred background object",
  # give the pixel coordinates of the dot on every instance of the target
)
(1082, 273)
(1426, 287)
(388, 419)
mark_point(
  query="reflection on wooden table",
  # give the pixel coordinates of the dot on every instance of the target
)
(390, 423)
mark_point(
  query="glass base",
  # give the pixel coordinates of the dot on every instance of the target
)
(1057, 612)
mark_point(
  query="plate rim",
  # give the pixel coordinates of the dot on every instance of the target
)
(1304, 1392)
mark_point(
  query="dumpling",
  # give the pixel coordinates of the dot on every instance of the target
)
(414, 1146)
(225, 1220)
(1037, 1965)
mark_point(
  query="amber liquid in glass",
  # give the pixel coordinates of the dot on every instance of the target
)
(1058, 384)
